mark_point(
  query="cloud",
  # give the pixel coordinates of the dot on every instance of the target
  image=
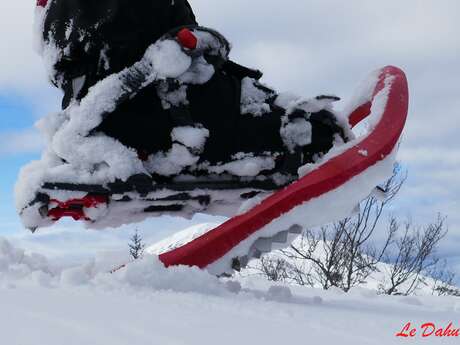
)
(20, 67)
(20, 142)
(431, 155)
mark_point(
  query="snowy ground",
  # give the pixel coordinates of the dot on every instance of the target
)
(95, 315)
(41, 302)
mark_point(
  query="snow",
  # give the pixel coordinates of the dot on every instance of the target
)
(192, 137)
(253, 98)
(297, 132)
(148, 304)
(172, 162)
(286, 99)
(180, 238)
(39, 21)
(363, 93)
(377, 109)
(309, 105)
(212, 42)
(200, 72)
(15, 264)
(168, 59)
(363, 153)
(372, 284)
(169, 97)
(245, 164)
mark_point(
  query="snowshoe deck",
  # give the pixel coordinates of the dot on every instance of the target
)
(143, 194)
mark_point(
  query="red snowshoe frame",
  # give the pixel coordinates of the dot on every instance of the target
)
(379, 144)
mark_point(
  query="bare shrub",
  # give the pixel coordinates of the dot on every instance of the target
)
(412, 257)
(342, 254)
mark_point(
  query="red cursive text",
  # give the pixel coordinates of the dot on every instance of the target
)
(429, 329)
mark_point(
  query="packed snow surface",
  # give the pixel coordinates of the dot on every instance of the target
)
(148, 304)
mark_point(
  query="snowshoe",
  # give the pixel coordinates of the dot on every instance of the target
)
(314, 171)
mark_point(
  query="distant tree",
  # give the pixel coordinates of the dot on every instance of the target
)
(412, 257)
(442, 282)
(136, 246)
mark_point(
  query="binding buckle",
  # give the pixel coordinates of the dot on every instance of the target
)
(75, 208)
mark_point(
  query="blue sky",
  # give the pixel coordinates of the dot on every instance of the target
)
(309, 47)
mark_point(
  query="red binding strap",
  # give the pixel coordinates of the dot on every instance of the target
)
(42, 3)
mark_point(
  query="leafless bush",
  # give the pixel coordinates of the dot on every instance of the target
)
(275, 269)
(412, 257)
(442, 283)
(342, 254)
(279, 269)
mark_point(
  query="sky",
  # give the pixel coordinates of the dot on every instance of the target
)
(308, 47)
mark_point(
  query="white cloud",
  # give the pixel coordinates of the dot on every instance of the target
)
(21, 67)
(431, 155)
(21, 141)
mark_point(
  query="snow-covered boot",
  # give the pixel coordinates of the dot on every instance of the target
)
(160, 123)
